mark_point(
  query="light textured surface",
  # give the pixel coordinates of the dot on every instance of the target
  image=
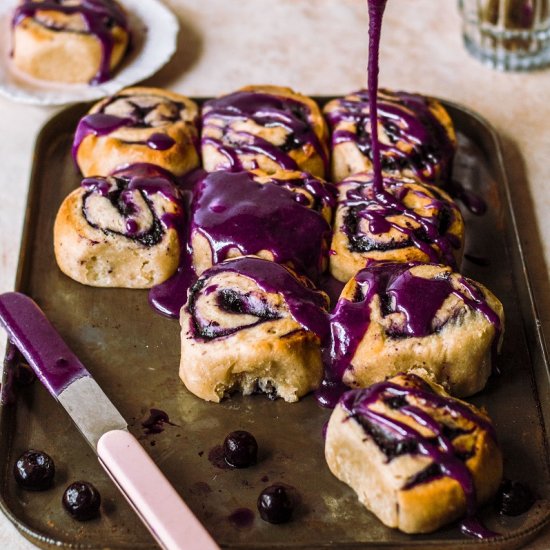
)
(320, 48)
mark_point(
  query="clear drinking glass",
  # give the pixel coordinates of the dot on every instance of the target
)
(507, 34)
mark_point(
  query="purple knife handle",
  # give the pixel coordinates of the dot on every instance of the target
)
(161, 509)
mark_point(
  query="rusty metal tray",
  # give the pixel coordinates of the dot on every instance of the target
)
(133, 353)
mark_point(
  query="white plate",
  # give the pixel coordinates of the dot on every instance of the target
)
(154, 37)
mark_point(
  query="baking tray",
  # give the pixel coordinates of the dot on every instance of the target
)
(133, 353)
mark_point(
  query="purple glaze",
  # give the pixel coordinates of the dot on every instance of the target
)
(265, 110)
(216, 457)
(232, 210)
(97, 124)
(306, 305)
(160, 142)
(472, 527)
(473, 202)
(145, 170)
(99, 16)
(54, 363)
(402, 438)
(169, 297)
(241, 518)
(379, 205)
(419, 299)
(154, 424)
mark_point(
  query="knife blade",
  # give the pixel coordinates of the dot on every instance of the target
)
(156, 502)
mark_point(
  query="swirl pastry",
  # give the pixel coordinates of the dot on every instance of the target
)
(284, 217)
(408, 221)
(120, 232)
(417, 458)
(416, 136)
(264, 127)
(252, 325)
(138, 125)
(415, 317)
(69, 40)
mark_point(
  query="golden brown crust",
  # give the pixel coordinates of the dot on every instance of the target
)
(354, 458)
(306, 157)
(420, 199)
(62, 56)
(101, 155)
(457, 356)
(103, 259)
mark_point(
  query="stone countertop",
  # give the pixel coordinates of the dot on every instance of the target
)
(320, 48)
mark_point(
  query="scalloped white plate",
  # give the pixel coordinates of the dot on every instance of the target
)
(154, 40)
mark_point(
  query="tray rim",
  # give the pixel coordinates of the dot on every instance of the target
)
(532, 322)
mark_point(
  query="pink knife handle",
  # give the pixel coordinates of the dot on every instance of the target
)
(151, 495)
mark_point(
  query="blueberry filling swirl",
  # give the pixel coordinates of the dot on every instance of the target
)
(248, 291)
(439, 428)
(265, 110)
(132, 207)
(95, 17)
(405, 214)
(412, 137)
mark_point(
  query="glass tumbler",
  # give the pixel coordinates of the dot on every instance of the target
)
(509, 35)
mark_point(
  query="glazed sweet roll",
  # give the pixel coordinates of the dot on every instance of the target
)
(414, 317)
(415, 132)
(252, 325)
(264, 127)
(69, 40)
(120, 232)
(284, 218)
(407, 221)
(417, 458)
(138, 125)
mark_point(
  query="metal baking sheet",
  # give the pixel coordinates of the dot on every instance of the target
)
(134, 353)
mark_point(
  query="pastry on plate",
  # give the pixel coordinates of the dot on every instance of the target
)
(417, 458)
(284, 217)
(416, 136)
(138, 125)
(252, 325)
(73, 41)
(120, 232)
(415, 317)
(407, 221)
(264, 127)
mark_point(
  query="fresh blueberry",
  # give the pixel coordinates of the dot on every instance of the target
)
(513, 498)
(275, 504)
(82, 500)
(34, 470)
(240, 449)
